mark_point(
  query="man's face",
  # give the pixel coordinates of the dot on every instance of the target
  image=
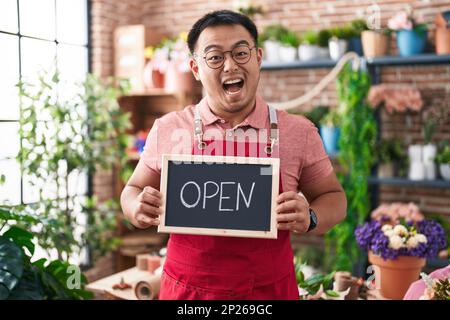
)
(232, 87)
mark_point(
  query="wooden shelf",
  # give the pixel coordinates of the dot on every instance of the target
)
(421, 59)
(409, 183)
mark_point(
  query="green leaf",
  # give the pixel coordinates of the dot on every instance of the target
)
(21, 237)
(11, 266)
(29, 286)
(332, 293)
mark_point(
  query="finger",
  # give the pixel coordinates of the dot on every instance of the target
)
(148, 209)
(146, 220)
(289, 206)
(153, 191)
(290, 217)
(289, 195)
(150, 199)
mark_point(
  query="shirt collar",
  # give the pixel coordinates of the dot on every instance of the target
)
(256, 119)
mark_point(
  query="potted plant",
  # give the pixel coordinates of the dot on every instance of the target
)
(411, 35)
(270, 38)
(391, 156)
(288, 49)
(442, 23)
(330, 131)
(375, 42)
(443, 159)
(338, 42)
(399, 240)
(309, 48)
(354, 41)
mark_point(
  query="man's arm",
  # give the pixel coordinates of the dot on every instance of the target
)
(140, 199)
(327, 198)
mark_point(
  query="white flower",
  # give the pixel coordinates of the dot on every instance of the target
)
(412, 242)
(386, 227)
(400, 230)
(421, 238)
(395, 242)
(389, 233)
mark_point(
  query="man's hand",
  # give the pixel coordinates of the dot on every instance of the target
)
(146, 209)
(293, 212)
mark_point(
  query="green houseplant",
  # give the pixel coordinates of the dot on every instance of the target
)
(330, 131)
(391, 157)
(22, 279)
(356, 144)
(314, 45)
(443, 159)
(354, 42)
(289, 43)
(271, 40)
(80, 134)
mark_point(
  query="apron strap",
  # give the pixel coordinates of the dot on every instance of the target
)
(274, 131)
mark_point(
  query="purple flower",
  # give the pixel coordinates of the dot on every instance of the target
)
(370, 236)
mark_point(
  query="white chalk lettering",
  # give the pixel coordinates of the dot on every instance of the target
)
(240, 191)
(222, 197)
(206, 196)
(198, 198)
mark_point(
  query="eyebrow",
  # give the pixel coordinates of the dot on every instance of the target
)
(220, 47)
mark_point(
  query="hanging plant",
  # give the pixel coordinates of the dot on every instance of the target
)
(356, 157)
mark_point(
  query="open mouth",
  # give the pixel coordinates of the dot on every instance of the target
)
(233, 86)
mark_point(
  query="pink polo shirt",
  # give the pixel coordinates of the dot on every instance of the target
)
(303, 159)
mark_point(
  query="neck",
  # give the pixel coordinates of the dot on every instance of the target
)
(234, 118)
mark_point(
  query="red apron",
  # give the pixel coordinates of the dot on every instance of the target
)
(199, 267)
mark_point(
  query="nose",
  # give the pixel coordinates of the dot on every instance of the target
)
(229, 63)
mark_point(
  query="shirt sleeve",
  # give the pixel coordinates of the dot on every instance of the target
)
(150, 156)
(316, 164)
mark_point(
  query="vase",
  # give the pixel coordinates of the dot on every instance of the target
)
(337, 48)
(410, 42)
(394, 277)
(271, 49)
(287, 54)
(374, 43)
(151, 77)
(444, 169)
(416, 164)
(429, 155)
(355, 45)
(307, 52)
(442, 41)
(330, 137)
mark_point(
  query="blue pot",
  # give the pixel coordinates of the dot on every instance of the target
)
(355, 45)
(410, 42)
(330, 137)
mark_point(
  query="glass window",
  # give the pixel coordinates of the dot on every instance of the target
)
(8, 16)
(37, 18)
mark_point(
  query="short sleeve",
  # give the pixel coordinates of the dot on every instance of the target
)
(150, 156)
(316, 164)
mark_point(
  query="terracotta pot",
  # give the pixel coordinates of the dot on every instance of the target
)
(395, 276)
(386, 170)
(375, 43)
(178, 81)
(152, 78)
(442, 41)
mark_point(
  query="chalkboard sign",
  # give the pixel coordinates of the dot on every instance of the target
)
(219, 195)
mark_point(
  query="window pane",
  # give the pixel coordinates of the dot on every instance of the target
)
(73, 66)
(37, 18)
(9, 76)
(37, 55)
(8, 15)
(10, 191)
(71, 21)
(10, 141)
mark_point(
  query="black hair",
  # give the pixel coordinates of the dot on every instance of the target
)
(220, 18)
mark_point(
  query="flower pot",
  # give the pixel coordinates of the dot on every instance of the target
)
(442, 41)
(410, 42)
(416, 171)
(355, 45)
(444, 169)
(330, 137)
(374, 43)
(287, 54)
(395, 276)
(307, 52)
(415, 153)
(386, 170)
(429, 155)
(337, 48)
(178, 81)
(152, 77)
(271, 49)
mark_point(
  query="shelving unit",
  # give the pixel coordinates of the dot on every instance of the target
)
(404, 182)
(145, 108)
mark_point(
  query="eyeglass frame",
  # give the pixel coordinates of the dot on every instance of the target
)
(230, 51)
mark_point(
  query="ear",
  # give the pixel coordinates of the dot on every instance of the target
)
(259, 56)
(194, 68)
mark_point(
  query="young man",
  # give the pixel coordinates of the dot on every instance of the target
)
(227, 61)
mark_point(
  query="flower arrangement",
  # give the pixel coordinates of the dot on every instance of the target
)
(401, 230)
(404, 20)
(395, 99)
(436, 289)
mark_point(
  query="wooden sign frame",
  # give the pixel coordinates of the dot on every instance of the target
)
(275, 165)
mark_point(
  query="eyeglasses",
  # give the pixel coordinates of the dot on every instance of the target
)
(216, 58)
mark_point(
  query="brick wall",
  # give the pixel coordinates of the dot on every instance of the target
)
(172, 17)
